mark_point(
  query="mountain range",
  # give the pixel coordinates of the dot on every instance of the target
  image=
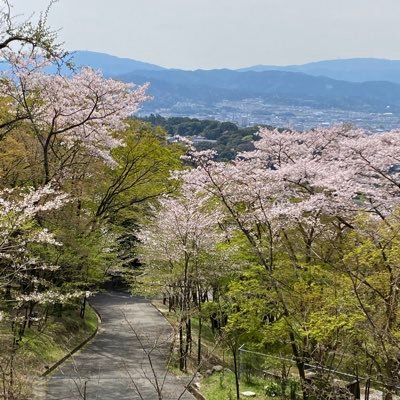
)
(353, 70)
(110, 65)
(361, 85)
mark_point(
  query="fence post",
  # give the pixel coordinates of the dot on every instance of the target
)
(240, 361)
(367, 387)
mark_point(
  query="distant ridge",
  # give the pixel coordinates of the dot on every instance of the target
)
(352, 85)
(111, 65)
(209, 87)
(352, 69)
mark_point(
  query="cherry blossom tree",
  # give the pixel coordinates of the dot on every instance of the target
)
(295, 197)
(58, 134)
(69, 115)
(20, 232)
(17, 32)
(178, 246)
(32, 36)
(25, 277)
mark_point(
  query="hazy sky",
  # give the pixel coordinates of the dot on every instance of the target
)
(227, 33)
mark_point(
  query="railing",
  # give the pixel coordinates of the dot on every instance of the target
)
(282, 370)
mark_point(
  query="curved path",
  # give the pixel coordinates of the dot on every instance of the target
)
(115, 365)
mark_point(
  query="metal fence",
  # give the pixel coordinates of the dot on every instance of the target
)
(280, 374)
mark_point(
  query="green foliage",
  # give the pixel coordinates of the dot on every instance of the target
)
(60, 336)
(273, 389)
(222, 386)
(144, 164)
(229, 138)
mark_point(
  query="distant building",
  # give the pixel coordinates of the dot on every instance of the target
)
(194, 139)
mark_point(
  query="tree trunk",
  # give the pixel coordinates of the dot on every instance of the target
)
(22, 327)
(181, 351)
(83, 308)
(200, 332)
(58, 308)
(7, 294)
(30, 313)
(236, 370)
(189, 336)
(170, 303)
(299, 365)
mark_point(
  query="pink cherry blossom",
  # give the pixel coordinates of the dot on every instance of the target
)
(83, 109)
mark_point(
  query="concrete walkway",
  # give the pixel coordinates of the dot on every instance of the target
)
(114, 365)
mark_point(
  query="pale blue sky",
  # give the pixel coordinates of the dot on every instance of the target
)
(227, 33)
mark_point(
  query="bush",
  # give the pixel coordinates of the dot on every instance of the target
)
(272, 389)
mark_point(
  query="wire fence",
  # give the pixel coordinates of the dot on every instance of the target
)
(281, 379)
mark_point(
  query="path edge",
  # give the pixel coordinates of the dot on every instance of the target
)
(152, 302)
(190, 388)
(76, 348)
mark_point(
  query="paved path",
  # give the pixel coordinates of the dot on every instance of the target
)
(114, 366)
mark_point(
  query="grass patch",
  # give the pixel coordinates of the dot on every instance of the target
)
(39, 349)
(60, 336)
(221, 386)
(207, 334)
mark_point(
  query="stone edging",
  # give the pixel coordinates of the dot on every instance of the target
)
(161, 313)
(191, 389)
(196, 393)
(78, 347)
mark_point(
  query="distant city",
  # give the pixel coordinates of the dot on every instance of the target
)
(361, 92)
(250, 112)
